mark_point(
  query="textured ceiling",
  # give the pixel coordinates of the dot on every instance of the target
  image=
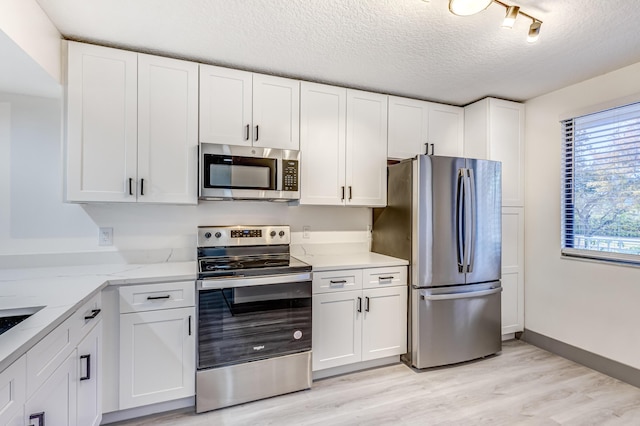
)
(411, 48)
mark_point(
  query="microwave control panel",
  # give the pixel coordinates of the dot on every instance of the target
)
(290, 175)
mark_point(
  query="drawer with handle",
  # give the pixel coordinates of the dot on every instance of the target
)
(384, 277)
(150, 297)
(329, 281)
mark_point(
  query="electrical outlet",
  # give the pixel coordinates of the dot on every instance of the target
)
(306, 231)
(105, 236)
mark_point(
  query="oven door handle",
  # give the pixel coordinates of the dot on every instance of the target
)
(218, 283)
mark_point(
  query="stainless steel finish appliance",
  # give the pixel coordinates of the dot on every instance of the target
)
(229, 172)
(254, 316)
(444, 216)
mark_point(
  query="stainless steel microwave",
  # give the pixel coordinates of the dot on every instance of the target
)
(229, 172)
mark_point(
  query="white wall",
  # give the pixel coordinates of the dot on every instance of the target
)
(590, 305)
(24, 22)
(34, 220)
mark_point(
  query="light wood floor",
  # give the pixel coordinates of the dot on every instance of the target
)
(523, 385)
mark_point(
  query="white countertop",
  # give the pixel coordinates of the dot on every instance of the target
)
(332, 262)
(62, 290)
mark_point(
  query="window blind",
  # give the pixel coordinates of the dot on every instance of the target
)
(600, 190)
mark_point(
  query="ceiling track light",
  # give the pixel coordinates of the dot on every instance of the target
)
(471, 7)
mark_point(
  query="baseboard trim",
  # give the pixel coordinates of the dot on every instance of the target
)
(147, 410)
(358, 366)
(596, 362)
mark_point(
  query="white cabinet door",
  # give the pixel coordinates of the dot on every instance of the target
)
(157, 356)
(366, 156)
(226, 98)
(167, 130)
(276, 112)
(494, 130)
(54, 403)
(337, 329)
(408, 127)
(506, 130)
(89, 357)
(384, 327)
(13, 393)
(446, 130)
(322, 143)
(101, 123)
(512, 269)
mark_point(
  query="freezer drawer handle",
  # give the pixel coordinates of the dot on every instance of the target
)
(451, 296)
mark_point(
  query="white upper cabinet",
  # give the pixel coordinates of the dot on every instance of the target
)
(102, 91)
(247, 109)
(420, 127)
(343, 146)
(323, 124)
(167, 130)
(494, 130)
(225, 106)
(366, 172)
(131, 127)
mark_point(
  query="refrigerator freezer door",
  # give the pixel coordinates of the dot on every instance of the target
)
(456, 324)
(484, 236)
(435, 203)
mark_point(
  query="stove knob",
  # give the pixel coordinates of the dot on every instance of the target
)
(273, 234)
(218, 235)
(281, 233)
(207, 235)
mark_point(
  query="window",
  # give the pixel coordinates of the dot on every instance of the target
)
(601, 185)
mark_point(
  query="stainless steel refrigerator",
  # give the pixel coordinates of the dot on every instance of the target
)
(443, 215)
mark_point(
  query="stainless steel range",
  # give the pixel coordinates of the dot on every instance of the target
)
(254, 316)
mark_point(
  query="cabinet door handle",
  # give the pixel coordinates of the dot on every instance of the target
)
(433, 149)
(166, 296)
(366, 304)
(94, 313)
(189, 325)
(342, 194)
(246, 136)
(359, 304)
(87, 360)
(130, 186)
(39, 419)
(141, 186)
(350, 192)
(426, 148)
(385, 278)
(256, 133)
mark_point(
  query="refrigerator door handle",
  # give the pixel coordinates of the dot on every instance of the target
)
(459, 220)
(466, 295)
(472, 220)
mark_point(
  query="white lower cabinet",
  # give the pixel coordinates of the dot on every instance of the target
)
(157, 346)
(55, 402)
(358, 315)
(13, 385)
(62, 373)
(89, 362)
(512, 269)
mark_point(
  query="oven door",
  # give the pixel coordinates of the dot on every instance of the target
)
(248, 319)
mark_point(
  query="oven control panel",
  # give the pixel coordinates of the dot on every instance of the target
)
(230, 236)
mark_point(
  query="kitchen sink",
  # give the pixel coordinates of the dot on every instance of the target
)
(9, 318)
